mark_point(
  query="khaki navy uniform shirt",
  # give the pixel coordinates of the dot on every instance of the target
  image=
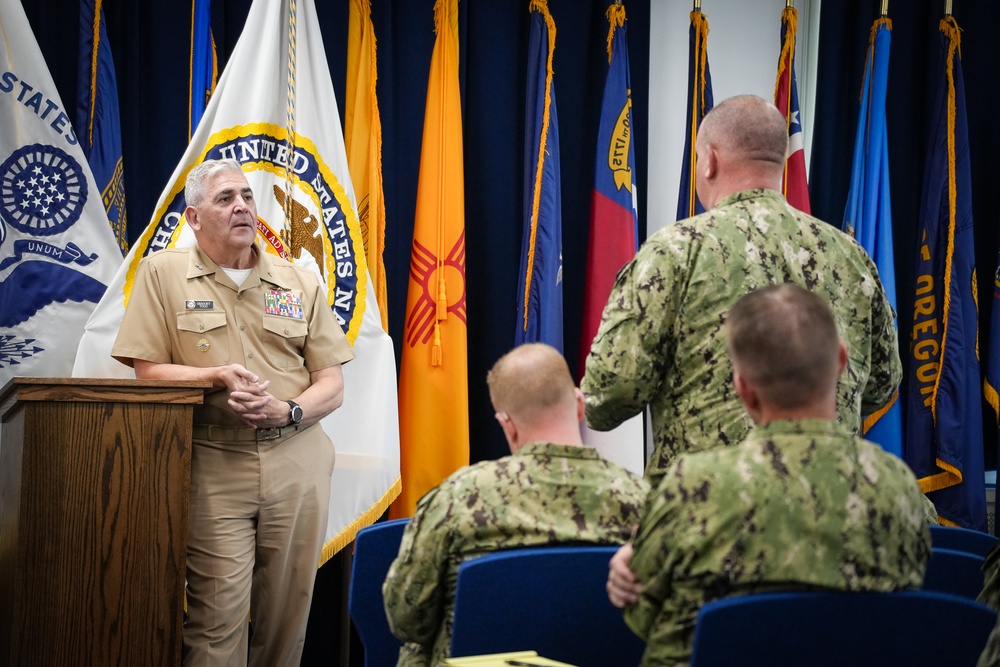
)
(545, 494)
(797, 505)
(184, 309)
(661, 341)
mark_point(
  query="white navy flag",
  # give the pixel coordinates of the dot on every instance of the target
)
(306, 212)
(57, 250)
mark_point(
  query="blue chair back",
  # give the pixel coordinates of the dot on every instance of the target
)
(962, 539)
(955, 572)
(375, 547)
(913, 628)
(551, 600)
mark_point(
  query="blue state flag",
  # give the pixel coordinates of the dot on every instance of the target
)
(944, 427)
(991, 384)
(868, 216)
(97, 123)
(699, 103)
(539, 290)
(57, 251)
(204, 66)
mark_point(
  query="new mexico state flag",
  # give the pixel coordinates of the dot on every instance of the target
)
(433, 383)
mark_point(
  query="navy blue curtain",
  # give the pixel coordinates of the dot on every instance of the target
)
(914, 65)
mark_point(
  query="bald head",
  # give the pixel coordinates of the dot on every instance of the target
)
(783, 340)
(741, 146)
(749, 129)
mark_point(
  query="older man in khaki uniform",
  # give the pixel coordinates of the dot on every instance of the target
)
(261, 331)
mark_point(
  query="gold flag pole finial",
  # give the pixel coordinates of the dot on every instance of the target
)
(789, 4)
(885, 8)
(947, 7)
(697, 6)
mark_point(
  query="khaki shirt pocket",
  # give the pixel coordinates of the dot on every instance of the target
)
(203, 338)
(284, 341)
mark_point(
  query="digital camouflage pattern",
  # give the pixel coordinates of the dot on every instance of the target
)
(661, 341)
(797, 505)
(544, 494)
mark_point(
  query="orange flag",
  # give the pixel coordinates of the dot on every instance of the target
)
(363, 141)
(433, 383)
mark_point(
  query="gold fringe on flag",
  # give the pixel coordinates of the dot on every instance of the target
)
(542, 7)
(700, 23)
(616, 19)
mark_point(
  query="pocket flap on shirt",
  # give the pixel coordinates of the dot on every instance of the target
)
(286, 327)
(200, 321)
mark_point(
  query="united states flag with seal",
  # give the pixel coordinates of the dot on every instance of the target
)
(57, 250)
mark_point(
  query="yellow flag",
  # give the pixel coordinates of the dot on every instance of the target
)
(433, 383)
(363, 140)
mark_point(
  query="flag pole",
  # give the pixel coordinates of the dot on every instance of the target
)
(885, 8)
(697, 6)
(947, 8)
(789, 4)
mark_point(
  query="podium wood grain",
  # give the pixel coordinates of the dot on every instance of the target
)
(94, 479)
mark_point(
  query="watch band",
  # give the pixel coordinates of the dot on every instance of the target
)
(294, 413)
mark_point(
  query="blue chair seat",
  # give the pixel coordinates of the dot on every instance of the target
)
(551, 600)
(962, 539)
(375, 547)
(913, 628)
(955, 572)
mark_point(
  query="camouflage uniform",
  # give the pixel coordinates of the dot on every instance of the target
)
(544, 494)
(661, 340)
(797, 505)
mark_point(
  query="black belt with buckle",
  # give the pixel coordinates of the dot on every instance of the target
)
(240, 434)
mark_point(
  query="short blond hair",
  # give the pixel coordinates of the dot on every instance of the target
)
(531, 381)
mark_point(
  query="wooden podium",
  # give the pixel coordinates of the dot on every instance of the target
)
(94, 478)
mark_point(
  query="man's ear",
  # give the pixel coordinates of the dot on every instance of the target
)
(709, 164)
(747, 393)
(508, 427)
(581, 407)
(191, 215)
(842, 358)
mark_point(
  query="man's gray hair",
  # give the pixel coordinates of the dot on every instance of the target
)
(195, 188)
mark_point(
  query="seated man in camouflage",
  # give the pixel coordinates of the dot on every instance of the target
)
(551, 489)
(800, 504)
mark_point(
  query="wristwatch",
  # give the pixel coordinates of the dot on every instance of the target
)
(295, 415)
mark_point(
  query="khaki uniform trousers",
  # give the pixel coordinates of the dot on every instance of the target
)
(257, 521)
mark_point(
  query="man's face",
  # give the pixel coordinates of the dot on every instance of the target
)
(227, 217)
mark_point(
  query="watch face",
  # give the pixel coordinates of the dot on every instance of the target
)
(296, 414)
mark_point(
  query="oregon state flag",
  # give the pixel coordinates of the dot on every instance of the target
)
(786, 98)
(275, 113)
(363, 137)
(539, 289)
(699, 103)
(97, 121)
(433, 382)
(868, 215)
(944, 428)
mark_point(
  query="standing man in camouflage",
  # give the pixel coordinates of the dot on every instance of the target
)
(801, 503)
(550, 490)
(660, 341)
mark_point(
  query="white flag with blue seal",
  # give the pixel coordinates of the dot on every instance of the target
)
(57, 250)
(275, 113)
